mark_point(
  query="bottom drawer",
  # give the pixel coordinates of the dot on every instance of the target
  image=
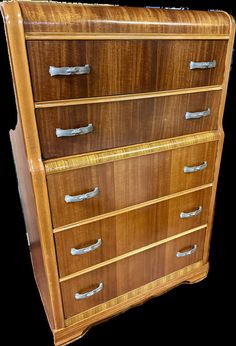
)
(95, 287)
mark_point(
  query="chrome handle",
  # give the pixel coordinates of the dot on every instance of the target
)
(202, 64)
(196, 212)
(67, 71)
(188, 169)
(82, 251)
(83, 197)
(187, 253)
(74, 132)
(79, 296)
(197, 115)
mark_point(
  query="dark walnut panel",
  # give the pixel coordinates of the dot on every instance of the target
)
(127, 182)
(124, 123)
(122, 67)
(129, 231)
(76, 18)
(130, 273)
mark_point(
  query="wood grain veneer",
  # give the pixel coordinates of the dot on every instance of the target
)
(122, 67)
(130, 273)
(140, 77)
(129, 231)
(39, 17)
(130, 208)
(148, 120)
(127, 182)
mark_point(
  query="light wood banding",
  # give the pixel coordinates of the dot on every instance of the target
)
(50, 36)
(79, 161)
(137, 96)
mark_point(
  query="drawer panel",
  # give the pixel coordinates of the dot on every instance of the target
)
(130, 273)
(127, 182)
(124, 123)
(122, 67)
(129, 231)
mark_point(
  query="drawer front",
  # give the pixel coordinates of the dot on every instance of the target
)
(125, 275)
(122, 67)
(116, 124)
(123, 183)
(99, 241)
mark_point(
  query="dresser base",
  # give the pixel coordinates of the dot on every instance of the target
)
(78, 325)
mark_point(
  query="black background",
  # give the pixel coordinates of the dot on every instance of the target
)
(187, 314)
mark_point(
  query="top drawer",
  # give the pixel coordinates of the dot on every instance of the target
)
(122, 66)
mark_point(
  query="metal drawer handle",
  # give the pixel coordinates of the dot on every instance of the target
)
(188, 169)
(187, 253)
(202, 64)
(74, 132)
(75, 252)
(83, 197)
(67, 71)
(79, 296)
(197, 115)
(196, 212)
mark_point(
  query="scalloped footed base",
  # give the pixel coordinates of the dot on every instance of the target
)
(78, 325)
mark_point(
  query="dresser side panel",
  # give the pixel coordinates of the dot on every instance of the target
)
(28, 160)
(228, 62)
(31, 218)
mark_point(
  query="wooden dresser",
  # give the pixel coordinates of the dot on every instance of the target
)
(117, 149)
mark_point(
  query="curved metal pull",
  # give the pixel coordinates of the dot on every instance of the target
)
(79, 296)
(83, 197)
(196, 212)
(197, 115)
(67, 71)
(74, 132)
(188, 169)
(202, 64)
(82, 251)
(187, 253)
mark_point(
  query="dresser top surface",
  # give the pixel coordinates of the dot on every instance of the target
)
(53, 17)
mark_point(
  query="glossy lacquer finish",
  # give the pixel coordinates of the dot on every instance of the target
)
(122, 67)
(129, 231)
(130, 273)
(123, 123)
(142, 225)
(127, 182)
(44, 17)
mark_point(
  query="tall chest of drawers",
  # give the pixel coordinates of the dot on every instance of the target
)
(117, 149)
